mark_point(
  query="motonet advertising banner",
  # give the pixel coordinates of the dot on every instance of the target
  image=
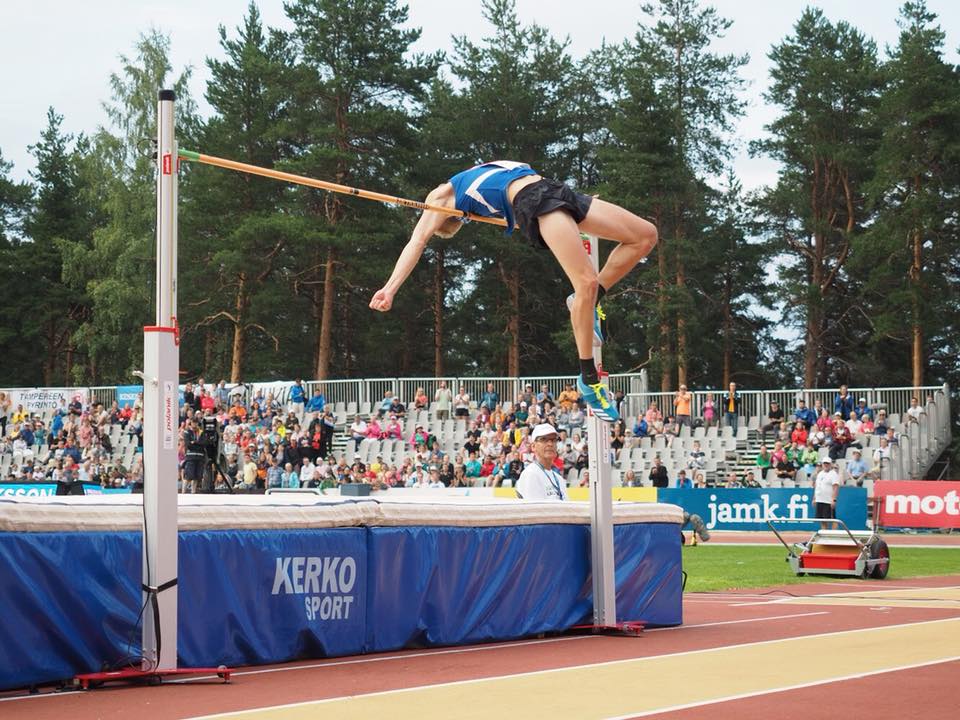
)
(749, 508)
(919, 503)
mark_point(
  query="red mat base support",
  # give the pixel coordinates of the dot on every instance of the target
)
(88, 681)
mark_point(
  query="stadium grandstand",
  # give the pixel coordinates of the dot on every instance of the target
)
(441, 432)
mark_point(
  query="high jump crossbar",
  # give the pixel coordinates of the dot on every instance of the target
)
(192, 156)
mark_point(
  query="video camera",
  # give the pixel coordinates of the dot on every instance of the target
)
(210, 436)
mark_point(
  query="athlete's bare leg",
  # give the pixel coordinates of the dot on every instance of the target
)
(636, 238)
(562, 236)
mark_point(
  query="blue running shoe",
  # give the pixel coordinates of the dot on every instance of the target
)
(599, 318)
(598, 398)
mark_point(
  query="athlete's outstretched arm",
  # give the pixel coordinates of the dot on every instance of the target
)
(428, 224)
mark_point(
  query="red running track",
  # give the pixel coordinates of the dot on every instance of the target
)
(712, 620)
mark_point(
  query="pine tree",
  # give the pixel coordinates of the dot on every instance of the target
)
(58, 216)
(826, 80)
(235, 231)
(358, 84)
(19, 365)
(905, 258)
(674, 118)
(516, 103)
(117, 269)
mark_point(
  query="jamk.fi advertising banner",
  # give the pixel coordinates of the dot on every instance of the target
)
(919, 503)
(751, 508)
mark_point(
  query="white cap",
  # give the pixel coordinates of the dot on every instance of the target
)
(827, 461)
(543, 430)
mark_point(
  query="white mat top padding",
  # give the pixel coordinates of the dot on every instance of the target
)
(258, 512)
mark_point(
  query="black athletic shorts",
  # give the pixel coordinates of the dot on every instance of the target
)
(824, 511)
(545, 196)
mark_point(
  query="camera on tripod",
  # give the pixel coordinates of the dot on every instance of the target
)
(210, 437)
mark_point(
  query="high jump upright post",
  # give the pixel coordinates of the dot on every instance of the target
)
(601, 498)
(161, 362)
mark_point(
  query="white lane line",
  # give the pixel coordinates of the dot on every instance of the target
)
(474, 649)
(606, 663)
(784, 688)
(335, 663)
(738, 622)
(774, 601)
(866, 583)
(889, 592)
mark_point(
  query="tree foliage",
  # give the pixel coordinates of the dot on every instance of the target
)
(844, 269)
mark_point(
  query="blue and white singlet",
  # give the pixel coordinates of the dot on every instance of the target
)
(482, 190)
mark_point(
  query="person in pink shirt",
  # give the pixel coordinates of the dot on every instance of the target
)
(394, 429)
(709, 410)
(653, 414)
(374, 431)
(824, 421)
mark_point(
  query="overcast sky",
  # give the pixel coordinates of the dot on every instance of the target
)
(60, 54)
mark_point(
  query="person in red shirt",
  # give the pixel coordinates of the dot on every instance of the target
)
(207, 402)
(799, 434)
(842, 438)
(486, 468)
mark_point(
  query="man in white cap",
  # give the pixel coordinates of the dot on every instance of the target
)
(826, 487)
(540, 479)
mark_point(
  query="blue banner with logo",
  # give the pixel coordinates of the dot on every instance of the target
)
(466, 585)
(127, 394)
(749, 508)
(259, 596)
(248, 597)
(28, 489)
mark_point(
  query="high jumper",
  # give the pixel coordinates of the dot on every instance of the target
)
(550, 214)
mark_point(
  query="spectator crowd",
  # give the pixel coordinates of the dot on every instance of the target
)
(264, 443)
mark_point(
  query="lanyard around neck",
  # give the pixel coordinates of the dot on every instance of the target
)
(550, 477)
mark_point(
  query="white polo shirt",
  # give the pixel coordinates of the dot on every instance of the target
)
(539, 483)
(823, 491)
